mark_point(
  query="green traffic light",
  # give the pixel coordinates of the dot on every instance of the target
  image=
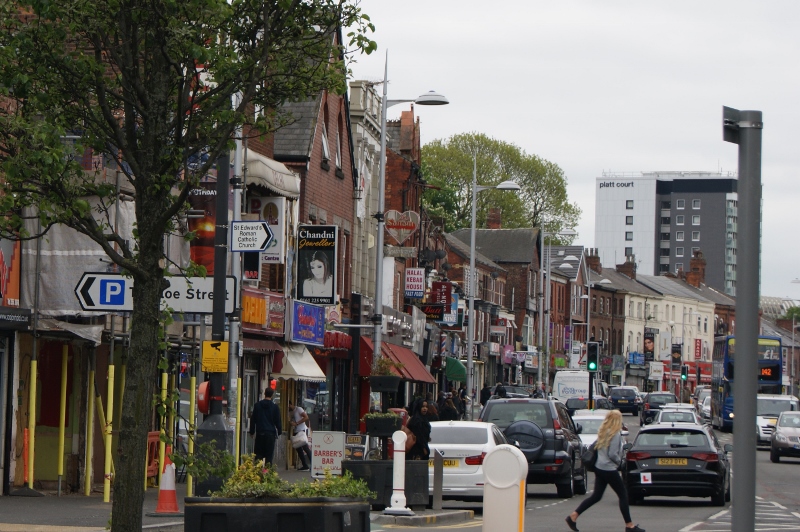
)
(592, 366)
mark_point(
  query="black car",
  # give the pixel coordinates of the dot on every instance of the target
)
(652, 404)
(576, 403)
(513, 391)
(624, 399)
(677, 460)
(545, 433)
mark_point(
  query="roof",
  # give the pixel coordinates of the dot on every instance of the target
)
(671, 286)
(566, 260)
(296, 139)
(504, 245)
(462, 250)
(611, 279)
(776, 307)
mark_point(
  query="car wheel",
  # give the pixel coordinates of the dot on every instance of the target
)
(633, 500)
(718, 499)
(728, 490)
(567, 489)
(580, 485)
(774, 456)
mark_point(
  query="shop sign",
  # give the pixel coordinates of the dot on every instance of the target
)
(656, 371)
(327, 450)
(440, 293)
(263, 312)
(308, 323)
(317, 252)
(415, 283)
(433, 312)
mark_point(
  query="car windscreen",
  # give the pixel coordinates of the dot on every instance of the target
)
(676, 417)
(625, 392)
(673, 438)
(466, 435)
(661, 399)
(589, 426)
(504, 414)
(518, 390)
(790, 420)
(576, 403)
(772, 407)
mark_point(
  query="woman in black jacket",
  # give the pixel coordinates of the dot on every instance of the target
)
(449, 411)
(421, 428)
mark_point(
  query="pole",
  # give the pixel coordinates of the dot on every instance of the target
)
(791, 379)
(745, 128)
(471, 285)
(87, 479)
(547, 295)
(377, 318)
(234, 402)
(541, 306)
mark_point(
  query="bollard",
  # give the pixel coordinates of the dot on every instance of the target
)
(505, 469)
(438, 474)
(398, 506)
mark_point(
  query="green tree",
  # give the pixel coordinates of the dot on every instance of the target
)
(151, 83)
(448, 165)
(792, 312)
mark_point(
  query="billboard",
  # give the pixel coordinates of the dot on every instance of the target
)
(649, 344)
(317, 251)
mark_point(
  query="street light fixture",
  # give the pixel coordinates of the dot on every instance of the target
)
(505, 185)
(429, 98)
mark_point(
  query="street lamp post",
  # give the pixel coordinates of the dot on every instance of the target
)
(505, 185)
(430, 98)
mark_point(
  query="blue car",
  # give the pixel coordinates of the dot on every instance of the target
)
(624, 399)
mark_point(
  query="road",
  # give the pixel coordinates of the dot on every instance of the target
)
(777, 504)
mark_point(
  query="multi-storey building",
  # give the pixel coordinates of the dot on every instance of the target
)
(663, 218)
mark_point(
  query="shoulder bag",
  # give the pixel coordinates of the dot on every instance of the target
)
(589, 457)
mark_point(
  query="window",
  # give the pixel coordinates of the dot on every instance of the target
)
(638, 310)
(655, 312)
(678, 266)
(694, 251)
(695, 204)
(628, 252)
(629, 220)
(629, 235)
(665, 220)
(665, 237)
(680, 204)
(695, 236)
(663, 252)
(679, 236)
(696, 219)
(666, 205)
(326, 152)
(679, 219)
(629, 204)
(663, 268)
(679, 252)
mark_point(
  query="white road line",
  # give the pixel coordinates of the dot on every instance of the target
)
(782, 507)
(719, 514)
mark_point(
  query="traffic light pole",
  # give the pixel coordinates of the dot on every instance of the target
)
(591, 390)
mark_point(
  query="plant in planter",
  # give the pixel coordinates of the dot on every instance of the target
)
(382, 424)
(384, 376)
(255, 497)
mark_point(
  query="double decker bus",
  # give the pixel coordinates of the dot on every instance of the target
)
(723, 360)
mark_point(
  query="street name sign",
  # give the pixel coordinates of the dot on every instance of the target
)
(111, 291)
(250, 236)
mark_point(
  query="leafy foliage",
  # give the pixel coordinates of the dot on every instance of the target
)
(448, 165)
(384, 366)
(792, 312)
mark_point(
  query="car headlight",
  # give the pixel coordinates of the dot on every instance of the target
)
(730, 415)
(781, 438)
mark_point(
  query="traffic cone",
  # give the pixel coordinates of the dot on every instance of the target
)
(167, 498)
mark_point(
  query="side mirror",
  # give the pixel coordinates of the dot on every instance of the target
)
(625, 432)
(627, 447)
(578, 428)
(648, 421)
(728, 448)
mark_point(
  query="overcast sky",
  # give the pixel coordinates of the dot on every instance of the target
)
(609, 86)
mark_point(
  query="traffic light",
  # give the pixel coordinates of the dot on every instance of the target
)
(592, 356)
(684, 372)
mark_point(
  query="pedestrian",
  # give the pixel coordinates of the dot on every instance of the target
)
(486, 393)
(449, 412)
(300, 424)
(421, 428)
(433, 412)
(609, 460)
(500, 390)
(265, 425)
(459, 404)
(441, 399)
(686, 395)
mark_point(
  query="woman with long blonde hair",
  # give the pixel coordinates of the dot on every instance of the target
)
(609, 459)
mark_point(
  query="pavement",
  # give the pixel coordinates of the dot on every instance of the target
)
(79, 513)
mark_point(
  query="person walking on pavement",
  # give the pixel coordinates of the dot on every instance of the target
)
(299, 424)
(421, 428)
(609, 459)
(486, 393)
(265, 424)
(448, 411)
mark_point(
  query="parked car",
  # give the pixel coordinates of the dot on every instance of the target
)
(680, 460)
(590, 421)
(653, 402)
(579, 403)
(706, 410)
(623, 398)
(700, 393)
(513, 391)
(768, 408)
(463, 446)
(546, 434)
(785, 440)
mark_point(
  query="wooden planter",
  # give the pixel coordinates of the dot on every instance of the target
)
(379, 476)
(384, 383)
(383, 427)
(319, 514)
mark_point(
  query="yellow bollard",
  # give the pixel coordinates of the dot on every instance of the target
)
(32, 420)
(62, 413)
(107, 474)
(190, 451)
(161, 423)
(87, 480)
(238, 429)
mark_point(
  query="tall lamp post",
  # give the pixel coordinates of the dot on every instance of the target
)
(505, 185)
(430, 98)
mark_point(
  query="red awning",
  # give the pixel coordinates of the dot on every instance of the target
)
(412, 370)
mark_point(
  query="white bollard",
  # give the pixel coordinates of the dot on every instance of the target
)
(398, 506)
(505, 470)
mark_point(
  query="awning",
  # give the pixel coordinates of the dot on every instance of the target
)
(412, 370)
(260, 345)
(298, 364)
(93, 333)
(266, 172)
(455, 370)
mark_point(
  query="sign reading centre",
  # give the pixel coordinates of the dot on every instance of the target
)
(110, 291)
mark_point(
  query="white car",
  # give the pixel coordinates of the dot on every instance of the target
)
(590, 421)
(677, 414)
(463, 445)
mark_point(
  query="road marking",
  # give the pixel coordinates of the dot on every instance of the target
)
(719, 514)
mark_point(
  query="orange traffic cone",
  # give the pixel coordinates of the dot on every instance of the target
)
(167, 498)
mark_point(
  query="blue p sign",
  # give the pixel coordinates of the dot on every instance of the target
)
(112, 291)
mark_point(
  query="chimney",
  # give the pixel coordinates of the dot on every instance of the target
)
(784, 323)
(494, 220)
(593, 260)
(628, 267)
(697, 270)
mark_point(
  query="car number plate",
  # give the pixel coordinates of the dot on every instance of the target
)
(772, 422)
(622, 400)
(672, 461)
(445, 463)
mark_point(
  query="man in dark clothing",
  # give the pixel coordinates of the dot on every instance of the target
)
(500, 390)
(486, 393)
(265, 423)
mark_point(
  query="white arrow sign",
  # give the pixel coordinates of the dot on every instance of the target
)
(250, 236)
(109, 291)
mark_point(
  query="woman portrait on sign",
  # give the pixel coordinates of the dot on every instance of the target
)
(320, 280)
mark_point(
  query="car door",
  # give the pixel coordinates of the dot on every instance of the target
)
(568, 427)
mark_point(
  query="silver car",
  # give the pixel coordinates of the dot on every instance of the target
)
(785, 440)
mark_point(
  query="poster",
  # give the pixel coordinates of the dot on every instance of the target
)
(676, 358)
(649, 344)
(317, 247)
(273, 211)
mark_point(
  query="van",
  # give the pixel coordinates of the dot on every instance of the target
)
(768, 409)
(570, 383)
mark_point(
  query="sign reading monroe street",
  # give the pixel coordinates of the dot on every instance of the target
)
(111, 291)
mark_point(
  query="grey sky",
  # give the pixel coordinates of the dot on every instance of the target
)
(621, 86)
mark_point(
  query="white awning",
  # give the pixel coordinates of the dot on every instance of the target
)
(93, 333)
(266, 172)
(298, 364)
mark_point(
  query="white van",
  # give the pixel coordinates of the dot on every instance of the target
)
(570, 383)
(768, 409)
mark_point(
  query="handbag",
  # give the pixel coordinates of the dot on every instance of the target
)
(589, 457)
(410, 439)
(299, 439)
